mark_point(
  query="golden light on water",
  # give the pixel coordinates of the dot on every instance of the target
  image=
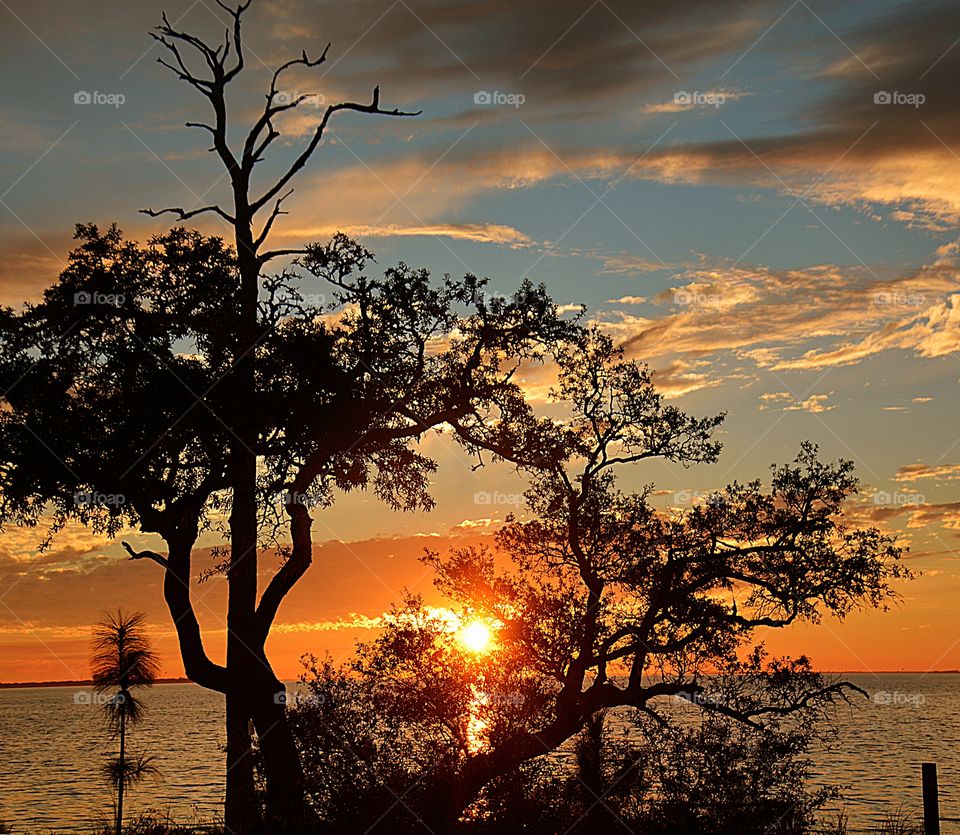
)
(475, 636)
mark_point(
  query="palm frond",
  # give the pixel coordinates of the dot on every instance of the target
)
(134, 769)
(121, 653)
(121, 707)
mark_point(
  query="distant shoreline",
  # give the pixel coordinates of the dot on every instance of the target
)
(18, 685)
(15, 685)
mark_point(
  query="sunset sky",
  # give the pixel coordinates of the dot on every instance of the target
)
(759, 199)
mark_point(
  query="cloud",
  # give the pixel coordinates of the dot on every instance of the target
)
(678, 378)
(814, 404)
(561, 56)
(785, 320)
(627, 264)
(914, 472)
(789, 402)
(945, 515)
(487, 233)
(351, 621)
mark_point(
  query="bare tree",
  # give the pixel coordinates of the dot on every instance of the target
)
(223, 64)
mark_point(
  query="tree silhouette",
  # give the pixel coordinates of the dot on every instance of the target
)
(613, 603)
(222, 64)
(119, 416)
(122, 662)
(179, 387)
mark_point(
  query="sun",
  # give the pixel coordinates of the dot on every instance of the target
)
(475, 636)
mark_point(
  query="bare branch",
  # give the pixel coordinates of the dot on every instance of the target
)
(252, 151)
(203, 125)
(186, 214)
(301, 161)
(236, 14)
(273, 216)
(149, 555)
(280, 253)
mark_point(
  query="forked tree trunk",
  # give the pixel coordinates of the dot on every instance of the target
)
(253, 688)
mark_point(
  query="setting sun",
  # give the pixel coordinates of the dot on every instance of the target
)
(475, 636)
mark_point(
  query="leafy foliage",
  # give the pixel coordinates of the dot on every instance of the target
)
(600, 600)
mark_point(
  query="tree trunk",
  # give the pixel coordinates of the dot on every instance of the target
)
(123, 763)
(241, 812)
(280, 760)
(243, 666)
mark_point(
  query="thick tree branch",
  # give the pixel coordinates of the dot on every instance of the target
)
(149, 555)
(176, 591)
(289, 574)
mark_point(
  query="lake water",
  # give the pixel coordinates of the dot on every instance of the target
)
(52, 745)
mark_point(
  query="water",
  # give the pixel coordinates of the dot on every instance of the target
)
(53, 744)
(51, 747)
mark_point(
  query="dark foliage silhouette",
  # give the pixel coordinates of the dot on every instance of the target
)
(119, 414)
(610, 602)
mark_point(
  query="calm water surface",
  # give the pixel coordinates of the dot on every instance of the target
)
(52, 745)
